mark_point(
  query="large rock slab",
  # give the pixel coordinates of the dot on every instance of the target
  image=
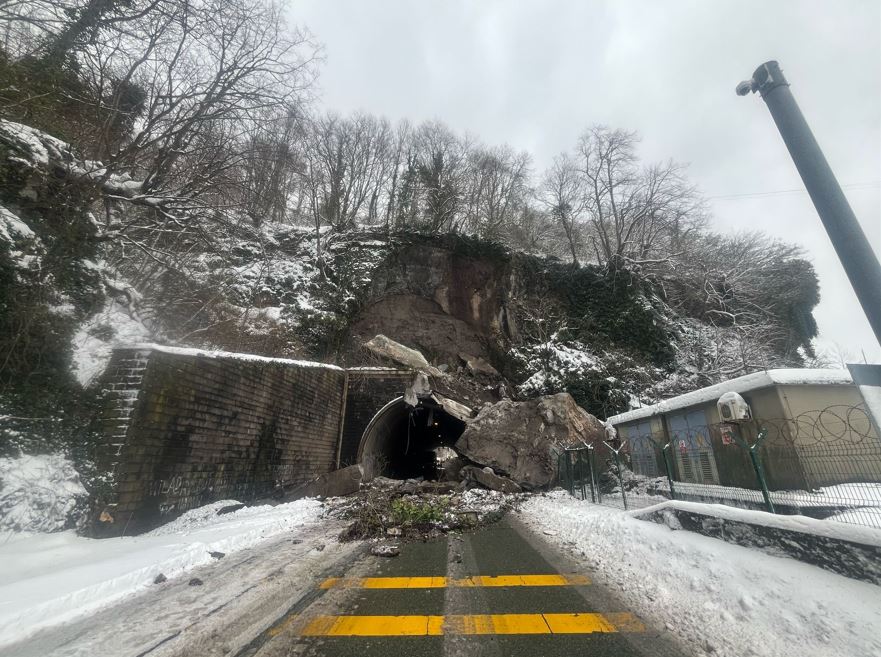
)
(521, 440)
(338, 483)
(489, 479)
(385, 347)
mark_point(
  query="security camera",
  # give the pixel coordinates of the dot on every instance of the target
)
(744, 87)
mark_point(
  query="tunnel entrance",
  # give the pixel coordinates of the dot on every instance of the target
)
(403, 442)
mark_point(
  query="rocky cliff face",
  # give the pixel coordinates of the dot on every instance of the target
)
(445, 303)
(454, 298)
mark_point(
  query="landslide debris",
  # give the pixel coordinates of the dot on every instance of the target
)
(521, 440)
(411, 509)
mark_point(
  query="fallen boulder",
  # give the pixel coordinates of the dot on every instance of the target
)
(338, 483)
(477, 365)
(385, 347)
(521, 440)
(489, 479)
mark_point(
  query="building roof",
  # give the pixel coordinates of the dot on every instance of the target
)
(741, 384)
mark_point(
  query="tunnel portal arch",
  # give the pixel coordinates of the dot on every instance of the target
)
(402, 441)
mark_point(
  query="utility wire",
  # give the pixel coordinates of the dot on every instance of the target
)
(780, 192)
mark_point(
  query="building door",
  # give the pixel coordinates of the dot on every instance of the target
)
(695, 460)
(643, 454)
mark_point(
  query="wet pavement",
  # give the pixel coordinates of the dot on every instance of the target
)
(501, 590)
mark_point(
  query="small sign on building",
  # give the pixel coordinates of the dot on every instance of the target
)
(727, 433)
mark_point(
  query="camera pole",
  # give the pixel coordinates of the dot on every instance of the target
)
(853, 249)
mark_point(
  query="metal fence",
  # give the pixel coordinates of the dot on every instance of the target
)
(825, 464)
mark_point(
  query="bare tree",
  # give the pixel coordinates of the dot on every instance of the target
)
(271, 163)
(347, 168)
(633, 210)
(562, 193)
(498, 181)
(440, 159)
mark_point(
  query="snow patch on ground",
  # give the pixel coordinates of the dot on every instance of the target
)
(484, 503)
(38, 493)
(50, 579)
(836, 530)
(716, 598)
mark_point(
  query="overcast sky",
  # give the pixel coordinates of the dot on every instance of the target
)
(536, 74)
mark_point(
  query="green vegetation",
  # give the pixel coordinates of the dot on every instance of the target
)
(417, 511)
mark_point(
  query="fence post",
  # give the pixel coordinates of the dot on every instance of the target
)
(760, 472)
(618, 468)
(620, 478)
(595, 495)
(570, 473)
(581, 474)
(669, 468)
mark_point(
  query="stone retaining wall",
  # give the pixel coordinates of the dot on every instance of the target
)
(183, 428)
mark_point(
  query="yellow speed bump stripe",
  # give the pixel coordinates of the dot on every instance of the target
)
(443, 582)
(374, 626)
(477, 624)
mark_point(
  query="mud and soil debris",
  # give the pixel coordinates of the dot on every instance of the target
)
(414, 510)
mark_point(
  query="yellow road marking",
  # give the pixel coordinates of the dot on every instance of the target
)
(374, 626)
(497, 624)
(442, 582)
(475, 624)
(578, 623)
(403, 582)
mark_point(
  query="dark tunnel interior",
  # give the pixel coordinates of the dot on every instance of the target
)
(405, 442)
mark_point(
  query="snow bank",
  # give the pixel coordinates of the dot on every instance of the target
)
(38, 493)
(837, 530)
(717, 598)
(52, 578)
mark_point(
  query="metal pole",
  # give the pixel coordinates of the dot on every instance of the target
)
(621, 479)
(594, 488)
(760, 472)
(853, 249)
(669, 468)
(581, 473)
(570, 474)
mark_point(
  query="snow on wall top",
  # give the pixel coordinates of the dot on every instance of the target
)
(187, 351)
(741, 384)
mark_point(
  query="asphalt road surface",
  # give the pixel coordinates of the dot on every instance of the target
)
(499, 591)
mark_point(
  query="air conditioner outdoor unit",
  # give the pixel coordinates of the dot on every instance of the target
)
(733, 408)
